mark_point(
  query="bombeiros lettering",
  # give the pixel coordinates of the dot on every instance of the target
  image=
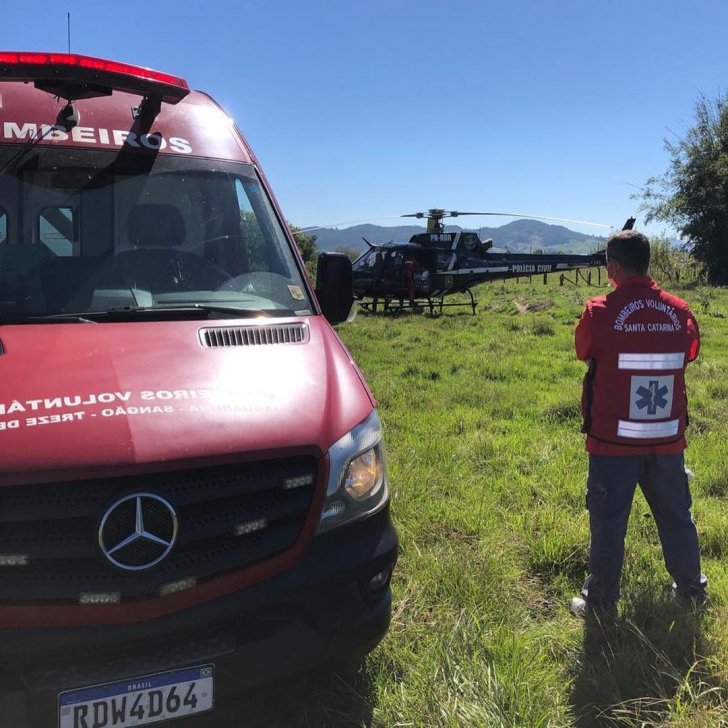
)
(11, 130)
(154, 141)
(620, 323)
(76, 401)
(626, 312)
(667, 309)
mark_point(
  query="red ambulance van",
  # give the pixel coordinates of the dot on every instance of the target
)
(193, 485)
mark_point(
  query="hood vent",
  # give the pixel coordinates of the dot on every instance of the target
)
(255, 335)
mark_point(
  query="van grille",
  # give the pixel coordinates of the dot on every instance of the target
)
(49, 546)
(255, 335)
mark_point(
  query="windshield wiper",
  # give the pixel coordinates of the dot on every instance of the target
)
(177, 312)
(55, 318)
(126, 313)
(199, 309)
(232, 310)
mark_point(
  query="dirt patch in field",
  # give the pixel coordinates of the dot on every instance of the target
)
(534, 307)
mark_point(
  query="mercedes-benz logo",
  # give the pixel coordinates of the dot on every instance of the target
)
(138, 531)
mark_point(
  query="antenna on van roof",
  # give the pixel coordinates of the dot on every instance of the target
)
(69, 32)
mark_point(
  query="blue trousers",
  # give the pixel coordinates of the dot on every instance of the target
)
(610, 490)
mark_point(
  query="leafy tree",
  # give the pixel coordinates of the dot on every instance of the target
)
(692, 195)
(308, 248)
(670, 264)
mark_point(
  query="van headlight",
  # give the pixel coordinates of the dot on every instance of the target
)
(357, 476)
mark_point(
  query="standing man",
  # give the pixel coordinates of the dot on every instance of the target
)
(637, 341)
(410, 266)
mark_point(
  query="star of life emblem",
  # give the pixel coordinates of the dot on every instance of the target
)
(651, 397)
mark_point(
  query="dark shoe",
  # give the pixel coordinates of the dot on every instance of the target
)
(693, 602)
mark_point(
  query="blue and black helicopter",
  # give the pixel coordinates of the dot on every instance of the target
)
(436, 263)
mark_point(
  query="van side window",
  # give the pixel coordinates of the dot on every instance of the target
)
(250, 232)
(57, 230)
(3, 226)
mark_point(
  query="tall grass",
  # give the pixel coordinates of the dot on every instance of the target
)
(487, 471)
(488, 477)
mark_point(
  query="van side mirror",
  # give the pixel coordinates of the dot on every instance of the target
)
(335, 286)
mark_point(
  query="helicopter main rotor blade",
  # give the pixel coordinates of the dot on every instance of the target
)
(451, 213)
(340, 224)
(456, 213)
(530, 217)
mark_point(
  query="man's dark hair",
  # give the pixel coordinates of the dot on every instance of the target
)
(631, 250)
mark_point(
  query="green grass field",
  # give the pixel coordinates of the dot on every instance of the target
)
(488, 474)
(488, 478)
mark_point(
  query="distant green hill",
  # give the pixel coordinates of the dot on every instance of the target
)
(519, 236)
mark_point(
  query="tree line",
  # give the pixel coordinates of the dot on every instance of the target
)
(309, 250)
(692, 195)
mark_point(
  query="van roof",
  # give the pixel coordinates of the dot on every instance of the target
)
(194, 126)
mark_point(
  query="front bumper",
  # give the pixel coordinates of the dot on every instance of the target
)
(316, 612)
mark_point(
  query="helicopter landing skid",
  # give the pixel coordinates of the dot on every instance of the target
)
(388, 304)
(436, 304)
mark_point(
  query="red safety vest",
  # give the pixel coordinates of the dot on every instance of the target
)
(640, 340)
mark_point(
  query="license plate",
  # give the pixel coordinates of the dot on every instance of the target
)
(139, 701)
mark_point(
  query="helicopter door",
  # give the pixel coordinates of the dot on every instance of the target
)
(392, 273)
(424, 270)
(367, 270)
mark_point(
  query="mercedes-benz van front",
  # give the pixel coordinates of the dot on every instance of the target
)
(193, 484)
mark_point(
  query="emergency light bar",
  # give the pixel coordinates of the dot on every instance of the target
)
(70, 68)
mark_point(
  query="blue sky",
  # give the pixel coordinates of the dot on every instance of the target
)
(359, 110)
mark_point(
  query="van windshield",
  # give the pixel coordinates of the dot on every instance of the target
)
(86, 232)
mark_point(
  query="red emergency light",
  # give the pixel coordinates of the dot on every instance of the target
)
(65, 68)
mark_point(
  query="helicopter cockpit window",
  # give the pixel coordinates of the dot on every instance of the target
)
(365, 262)
(446, 260)
(374, 260)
